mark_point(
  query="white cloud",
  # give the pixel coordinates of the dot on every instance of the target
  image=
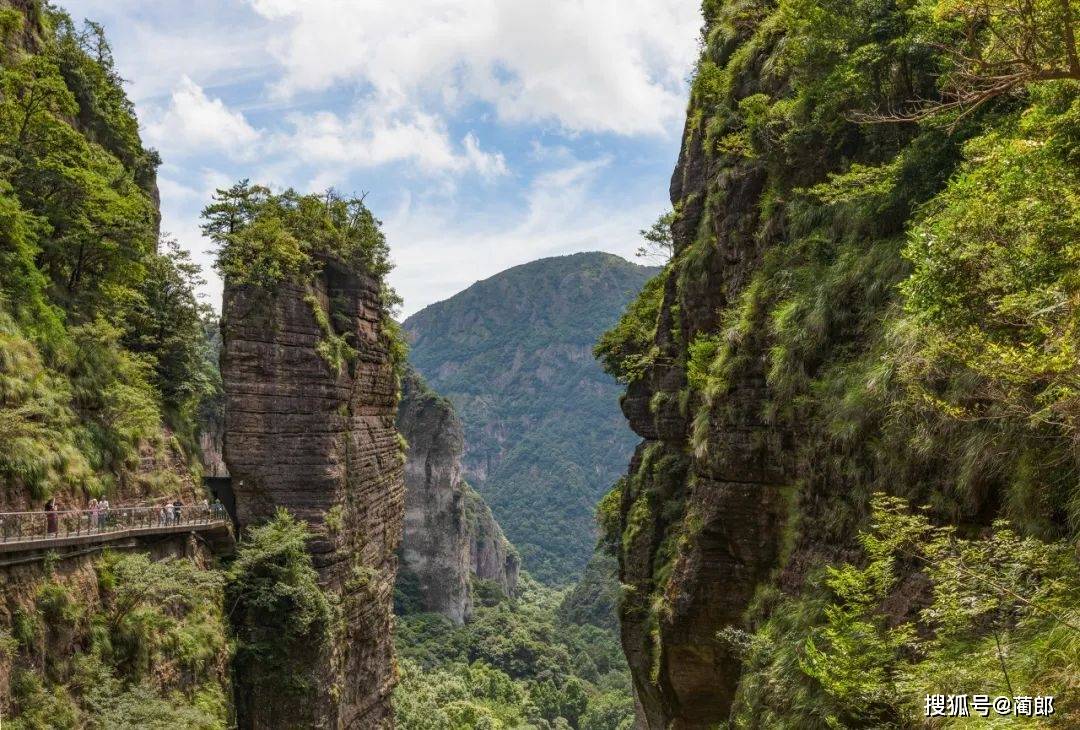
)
(193, 122)
(374, 134)
(438, 251)
(600, 65)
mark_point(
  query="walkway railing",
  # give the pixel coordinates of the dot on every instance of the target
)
(35, 526)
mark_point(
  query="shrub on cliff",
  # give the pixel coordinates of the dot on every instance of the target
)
(280, 616)
(88, 377)
(147, 648)
(993, 616)
(265, 238)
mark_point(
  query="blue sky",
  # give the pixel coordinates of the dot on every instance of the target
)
(487, 133)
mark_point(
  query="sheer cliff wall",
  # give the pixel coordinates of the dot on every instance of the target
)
(321, 443)
(449, 533)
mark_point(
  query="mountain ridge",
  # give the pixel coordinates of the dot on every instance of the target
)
(513, 353)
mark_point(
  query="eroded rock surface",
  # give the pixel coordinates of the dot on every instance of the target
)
(435, 544)
(702, 513)
(449, 533)
(322, 443)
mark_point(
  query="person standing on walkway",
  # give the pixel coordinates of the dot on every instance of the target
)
(103, 513)
(93, 513)
(52, 519)
(177, 506)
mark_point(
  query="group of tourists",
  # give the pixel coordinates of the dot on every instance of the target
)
(172, 512)
(97, 513)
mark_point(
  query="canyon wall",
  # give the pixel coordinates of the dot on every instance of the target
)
(491, 555)
(449, 532)
(835, 325)
(320, 441)
(435, 547)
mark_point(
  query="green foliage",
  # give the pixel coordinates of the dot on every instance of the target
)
(594, 600)
(97, 327)
(166, 324)
(332, 347)
(266, 238)
(627, 349)
(658, 244)
(995, 290)
(147, 650)
(514, 665)
(281, 618)
(544, 439)
(927, 612)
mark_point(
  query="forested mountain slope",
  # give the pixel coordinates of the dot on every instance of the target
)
(103, 364)
(543, 437)
(103, 352)
(875, 288)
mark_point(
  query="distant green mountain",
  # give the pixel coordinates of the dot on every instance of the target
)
(543, 432)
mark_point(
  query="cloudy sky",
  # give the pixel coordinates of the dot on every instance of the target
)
(487, 133)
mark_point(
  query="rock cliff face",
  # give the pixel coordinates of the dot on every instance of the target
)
(321, 443)
(703, 507)
(435, 545)
(491, 555)
(449, 532)
(725, 494)
(787, 364)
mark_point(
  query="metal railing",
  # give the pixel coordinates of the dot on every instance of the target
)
(36, 526)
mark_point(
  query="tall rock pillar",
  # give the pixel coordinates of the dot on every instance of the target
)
(319, 440)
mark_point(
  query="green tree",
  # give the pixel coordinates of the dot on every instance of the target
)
(281, 618)
(166, 323)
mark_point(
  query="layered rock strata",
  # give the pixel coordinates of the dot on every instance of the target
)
(320, 441)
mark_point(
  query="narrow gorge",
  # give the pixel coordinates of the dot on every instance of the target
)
(817, 468)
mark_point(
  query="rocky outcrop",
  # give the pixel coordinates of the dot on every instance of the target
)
(704, 506)
(320, 441)
(435, 544)
(449, 532)
(210, 450)
(491, 556)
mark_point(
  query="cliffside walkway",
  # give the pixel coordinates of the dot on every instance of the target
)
(35, 531)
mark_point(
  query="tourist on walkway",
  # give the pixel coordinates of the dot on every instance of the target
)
(103, 513)
(52, 519)
(177, 506)
(93, 514)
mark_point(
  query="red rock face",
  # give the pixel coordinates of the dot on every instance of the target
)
(319, 442)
